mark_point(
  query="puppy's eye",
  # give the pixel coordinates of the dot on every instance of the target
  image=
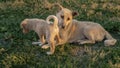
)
(68, 19)
(62, 16)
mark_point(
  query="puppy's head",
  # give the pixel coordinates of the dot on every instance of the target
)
(24, 26)
(65, 16)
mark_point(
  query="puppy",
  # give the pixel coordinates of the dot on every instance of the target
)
(82, 32)
(44, 29)
(37, 25)
(53, 33)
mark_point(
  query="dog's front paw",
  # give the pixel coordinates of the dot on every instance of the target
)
(81, 43)
(49, 53)
(45, 46)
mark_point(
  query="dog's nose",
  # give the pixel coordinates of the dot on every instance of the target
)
(63, 27)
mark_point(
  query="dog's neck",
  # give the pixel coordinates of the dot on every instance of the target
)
(68, 27)
(66, 33)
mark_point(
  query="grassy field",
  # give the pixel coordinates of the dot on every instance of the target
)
(16, 50)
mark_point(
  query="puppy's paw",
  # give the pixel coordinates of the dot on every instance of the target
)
(45, 46)
(35, 43)
(49, 53)
(39, 44)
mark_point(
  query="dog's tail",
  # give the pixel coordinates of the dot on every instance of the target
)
(54, 18)
(109, 39)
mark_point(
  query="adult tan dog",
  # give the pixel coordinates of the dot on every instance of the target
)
(81, 31)
(44, 29)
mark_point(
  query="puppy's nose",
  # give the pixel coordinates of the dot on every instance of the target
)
(25, 32)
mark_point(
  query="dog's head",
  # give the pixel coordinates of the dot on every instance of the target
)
(65, 16)
(24, 26)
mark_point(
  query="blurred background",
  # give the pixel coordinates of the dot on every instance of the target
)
(16, 49)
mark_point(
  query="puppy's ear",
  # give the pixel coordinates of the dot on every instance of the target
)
(74, 14)
(23, 23)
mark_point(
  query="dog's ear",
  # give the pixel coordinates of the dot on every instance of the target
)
(74, 14)
(60, 6)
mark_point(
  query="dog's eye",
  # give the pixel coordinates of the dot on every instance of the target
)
(62, 16)
(68, 19)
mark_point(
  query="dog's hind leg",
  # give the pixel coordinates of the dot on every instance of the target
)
(89, 38)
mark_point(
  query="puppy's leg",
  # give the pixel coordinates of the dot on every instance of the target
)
(52, 47)
(51, 42)
(60, 41)
(45, 46)
(58, 38)
(42, 39)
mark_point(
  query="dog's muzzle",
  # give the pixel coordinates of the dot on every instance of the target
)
(63, 27)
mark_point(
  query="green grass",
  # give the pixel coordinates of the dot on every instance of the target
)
(16, 50)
